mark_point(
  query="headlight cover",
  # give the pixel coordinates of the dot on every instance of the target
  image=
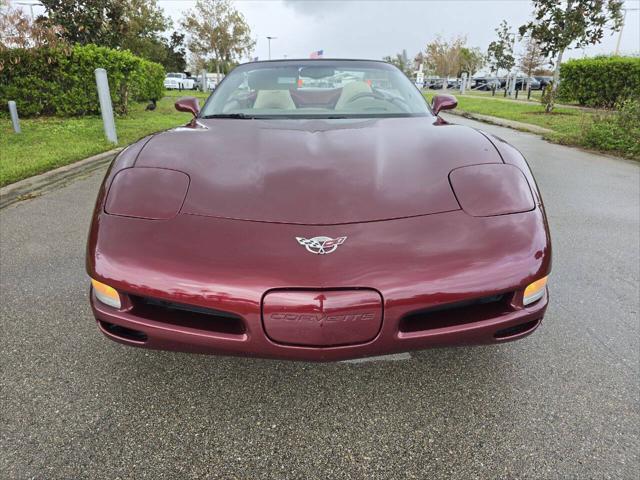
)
(491, 189)
(147, 192)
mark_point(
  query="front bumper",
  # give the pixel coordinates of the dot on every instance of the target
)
(463, 323)
(437, 278)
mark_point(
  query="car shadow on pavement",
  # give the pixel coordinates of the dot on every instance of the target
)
(464, 372)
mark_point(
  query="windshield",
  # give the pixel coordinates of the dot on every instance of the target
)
(316, 89)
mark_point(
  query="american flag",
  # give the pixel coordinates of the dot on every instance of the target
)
(317, 54)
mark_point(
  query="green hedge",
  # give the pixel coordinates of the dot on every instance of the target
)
(147, 81)
(600, 81)
(61, 81)
(617, 131)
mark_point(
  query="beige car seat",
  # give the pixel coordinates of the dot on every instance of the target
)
(276, 99)
(349, 91)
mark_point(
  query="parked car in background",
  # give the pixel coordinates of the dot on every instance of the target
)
(522, 83)
(543, 81)
(179, 81)
(486, 83)
(435, 83)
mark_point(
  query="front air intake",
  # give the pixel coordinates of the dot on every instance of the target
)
(123, 333)
(516, 330)
(458, 313)
(190, 316)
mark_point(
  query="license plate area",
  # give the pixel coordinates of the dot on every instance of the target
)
(322, 318)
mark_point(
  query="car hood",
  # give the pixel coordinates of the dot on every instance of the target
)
(318, 172)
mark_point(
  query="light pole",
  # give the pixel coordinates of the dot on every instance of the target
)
(269, 39)
(624, 17)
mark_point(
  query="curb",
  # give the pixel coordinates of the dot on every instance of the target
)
(501, 122)
(39, 184)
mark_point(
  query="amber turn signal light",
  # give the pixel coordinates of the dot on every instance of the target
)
(535, 291)
(106, 294)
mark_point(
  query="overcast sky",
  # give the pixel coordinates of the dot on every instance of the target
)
(375, 28)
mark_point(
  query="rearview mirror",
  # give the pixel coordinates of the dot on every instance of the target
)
(442, 101)
(188, 104)
(317, 72)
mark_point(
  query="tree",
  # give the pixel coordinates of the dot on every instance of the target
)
(89, 21)
(543, 72)
(176, 56)
(500, 51)
(135, 25)
(198, 63)
(144, 21)
(401, 61)
(127, 24)
(18, 30)
(442, 57)
(532, 58)
(559, 25)
(471, 60)
(217, 31)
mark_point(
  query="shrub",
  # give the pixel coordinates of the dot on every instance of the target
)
(600, 81)
(61, 81)
(618, 131)
(547, 94)
(147, 81)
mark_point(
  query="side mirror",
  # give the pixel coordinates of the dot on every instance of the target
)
(443, 101)
(188, 104)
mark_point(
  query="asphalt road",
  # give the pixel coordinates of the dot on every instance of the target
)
(561, 404)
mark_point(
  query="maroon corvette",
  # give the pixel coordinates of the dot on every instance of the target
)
(318, 210)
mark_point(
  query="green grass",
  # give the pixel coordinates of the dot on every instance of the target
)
(567, 124)
(50, 142)
(602, 130)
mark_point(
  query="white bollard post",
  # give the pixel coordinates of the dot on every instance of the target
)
(463, 83)
(512, 85)
(106, 108)
(13, 111)
(204, 86)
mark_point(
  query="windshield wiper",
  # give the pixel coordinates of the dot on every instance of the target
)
(229, 115)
